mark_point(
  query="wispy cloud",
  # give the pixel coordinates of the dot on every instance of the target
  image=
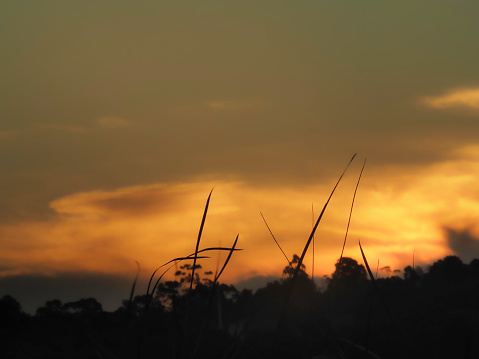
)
(8, 133)
(397, 211)
(107, 122)
(232, 104)
(218, 107)
(66, 128)
(114, 122)
(133, 202)
(466, 98)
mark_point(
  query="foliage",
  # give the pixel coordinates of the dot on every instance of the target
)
(348, 275)
(225, 322)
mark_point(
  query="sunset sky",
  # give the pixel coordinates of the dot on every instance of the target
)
(117, 118)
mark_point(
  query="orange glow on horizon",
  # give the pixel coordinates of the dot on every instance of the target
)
(395, 214)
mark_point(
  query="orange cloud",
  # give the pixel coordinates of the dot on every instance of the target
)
(467, 98)
(218, 106)
(67, 128)
(232, 105)
(103, 122)
(397, 211)
(8, 133)
(113, 122)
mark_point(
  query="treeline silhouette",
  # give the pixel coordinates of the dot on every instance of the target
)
(432, 313)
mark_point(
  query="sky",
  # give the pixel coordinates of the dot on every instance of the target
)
(117, 119)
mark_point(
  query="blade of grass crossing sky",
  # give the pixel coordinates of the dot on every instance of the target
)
(214, 288)
(179, 259)
(368, 323)
(187, 310)
(189, 257)
(305, 250)
(227, 259)
(272, 235)
(199, 238)
(301, 259)
(312, 267)
(351, 212)
(375, 284)
(366, 263)
(132, 292)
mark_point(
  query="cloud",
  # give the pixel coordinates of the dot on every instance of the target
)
(232, 105)
(397, 211)
(108, 122)
(125, 202)
(8, 133)
(218, 106)
(465, 98)
(67, 128)
(113, 122)
(463, 243)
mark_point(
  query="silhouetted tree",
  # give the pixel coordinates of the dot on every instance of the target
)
(348, 274)
(10, 312)
(139, 303)
(449, 270)
(413, 276)
(474, 269)
(386, 270)
(84, 307)
(288, 271)
(185, 274)
(168, 294)
(51, 307)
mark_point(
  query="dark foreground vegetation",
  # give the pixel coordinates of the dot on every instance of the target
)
(432, 314)
(426, 314)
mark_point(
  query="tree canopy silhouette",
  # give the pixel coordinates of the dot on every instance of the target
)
(348, 274)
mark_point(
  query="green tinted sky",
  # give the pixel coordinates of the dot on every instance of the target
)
(315, 80)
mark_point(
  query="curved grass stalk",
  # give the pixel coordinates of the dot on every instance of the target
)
(301, 259)
(351, 212)
(272, 235)
(199, 238)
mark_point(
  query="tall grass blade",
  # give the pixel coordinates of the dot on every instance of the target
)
(393, 322)
(214, 288)
(132, 292)
(272, 235)
(366, 263)
(303, 254)
(187, 258)
(375, 283)
(368, 322)
(227, 259)
(301, 259)
(199, 238)
(312, 267)
(351, 212)
(161, 276)
(163, 265)
(216, 249)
